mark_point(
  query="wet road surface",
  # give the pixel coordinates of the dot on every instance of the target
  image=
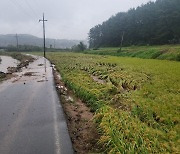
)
(31, 117)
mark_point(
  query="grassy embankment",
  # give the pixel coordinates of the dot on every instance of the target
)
(136, 101)
(168, 52)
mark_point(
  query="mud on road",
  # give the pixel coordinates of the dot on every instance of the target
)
(16, 63)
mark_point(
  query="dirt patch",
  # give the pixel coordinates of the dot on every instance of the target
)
(82, 129)
(95, 78)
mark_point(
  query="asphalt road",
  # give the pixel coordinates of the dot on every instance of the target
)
(31, 117)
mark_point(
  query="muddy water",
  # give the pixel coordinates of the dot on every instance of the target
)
(7, 62)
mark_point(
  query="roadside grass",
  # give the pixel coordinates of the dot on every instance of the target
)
(168, 52)
(136, 107)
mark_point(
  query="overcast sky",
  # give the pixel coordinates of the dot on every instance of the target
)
(67, 19)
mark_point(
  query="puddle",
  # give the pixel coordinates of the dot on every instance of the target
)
(7, 62)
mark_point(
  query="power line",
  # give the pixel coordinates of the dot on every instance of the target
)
(34, 28)
(21, 7)
(37, 4)
(18, 5)
(26, 1)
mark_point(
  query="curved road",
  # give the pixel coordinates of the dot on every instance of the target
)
(31, 117)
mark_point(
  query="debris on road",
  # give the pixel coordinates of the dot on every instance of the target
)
(40, 64)
(29, 74)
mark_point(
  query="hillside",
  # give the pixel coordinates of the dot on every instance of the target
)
(25, 39)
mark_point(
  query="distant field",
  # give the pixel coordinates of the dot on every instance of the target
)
(136, 101)
(168, 52)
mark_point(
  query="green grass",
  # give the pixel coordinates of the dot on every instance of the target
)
(137, 108)
(168, 52)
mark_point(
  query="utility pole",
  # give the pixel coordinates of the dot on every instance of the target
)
(121, 41)
(43, 20)
(17, 43)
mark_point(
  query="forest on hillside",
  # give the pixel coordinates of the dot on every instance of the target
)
(150, 24)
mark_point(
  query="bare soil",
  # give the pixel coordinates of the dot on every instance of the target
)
(83, 131)
(95, 78)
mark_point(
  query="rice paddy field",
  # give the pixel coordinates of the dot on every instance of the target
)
(136, 102)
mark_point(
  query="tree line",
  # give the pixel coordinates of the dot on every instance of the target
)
(150, 24)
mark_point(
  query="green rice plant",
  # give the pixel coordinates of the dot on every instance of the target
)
(122, 133)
